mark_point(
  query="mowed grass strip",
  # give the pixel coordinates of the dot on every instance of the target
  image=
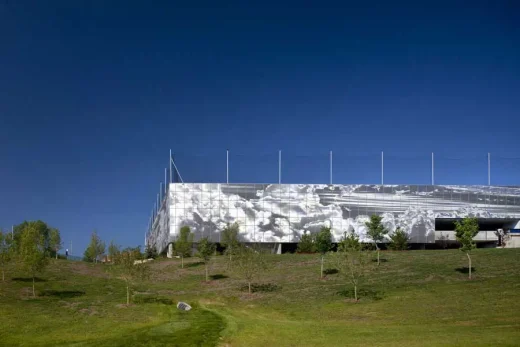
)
(413, 298)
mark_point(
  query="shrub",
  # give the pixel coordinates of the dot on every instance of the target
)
(399, 240)
(306, 244)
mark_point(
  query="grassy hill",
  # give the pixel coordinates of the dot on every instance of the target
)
(415, 298)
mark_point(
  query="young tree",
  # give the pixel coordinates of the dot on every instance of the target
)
(353, 263)
(376, 231)
(183, 244)
(55, 240)
(306, 244)
(465, 231)
(248, 264)
(43, 230)
(6, 242)
(33, 253)
(349, 241)
(323, 243)
(206, 248)
(95, 248)
(113, 252)
(128, 270)
(399, 240)
(229, 239)
(151, 252)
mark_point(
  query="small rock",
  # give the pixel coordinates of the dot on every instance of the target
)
(183, 306)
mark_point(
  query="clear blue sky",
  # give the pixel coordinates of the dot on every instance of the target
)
(94, 93)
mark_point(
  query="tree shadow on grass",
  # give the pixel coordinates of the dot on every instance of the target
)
(28, 279)
(362, 294)
(63, 294)
(381, 260)
(330, 271)
(465, 269)
(152, 299)
(195, 264)
(264, 287)
(218, 277)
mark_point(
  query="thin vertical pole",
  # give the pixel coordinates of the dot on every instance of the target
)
(227, 166)
(160, 192)
(157, 204)
(382, 169)
(489, 169)
(280, 167)
(331, 167)
(171, 172)
(165, 180)
(433, 171)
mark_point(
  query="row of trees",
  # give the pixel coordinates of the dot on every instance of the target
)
(321, 242)
(29, 248)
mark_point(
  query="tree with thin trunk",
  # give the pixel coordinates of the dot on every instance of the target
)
(95, 248)
(465, 232)
(33, 254)
(113, 252)
(248, 264)
(130, 268)
(323, 242)
(376, 231)
(353, 263)
(183, 244)
(229, 239)
(205, 249)
(55, 240)
(6, 248)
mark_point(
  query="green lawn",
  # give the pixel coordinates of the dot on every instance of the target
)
(415, 298)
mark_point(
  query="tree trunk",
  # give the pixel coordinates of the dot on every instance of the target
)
(34, 294)
(469, 259)
(182, 262)
(207, 277)
(321, 273)
(377, 255)
(249, 283)
(127, 294)
(355, 292)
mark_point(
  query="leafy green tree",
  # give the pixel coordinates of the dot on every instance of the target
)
(55, 240)
(376, 231)
(32, 252)
(248, 264)
(130, 268)
(349, 241)
(306, 244)
(399, 240)
(206, 249)
(323, 243)
(183, 243)
(113, 252)
(229, 239)
(6, 245)
(43, 230)
(465, 232)
(354, 263)
(95, 248)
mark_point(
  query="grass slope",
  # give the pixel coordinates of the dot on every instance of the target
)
(416, 298)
